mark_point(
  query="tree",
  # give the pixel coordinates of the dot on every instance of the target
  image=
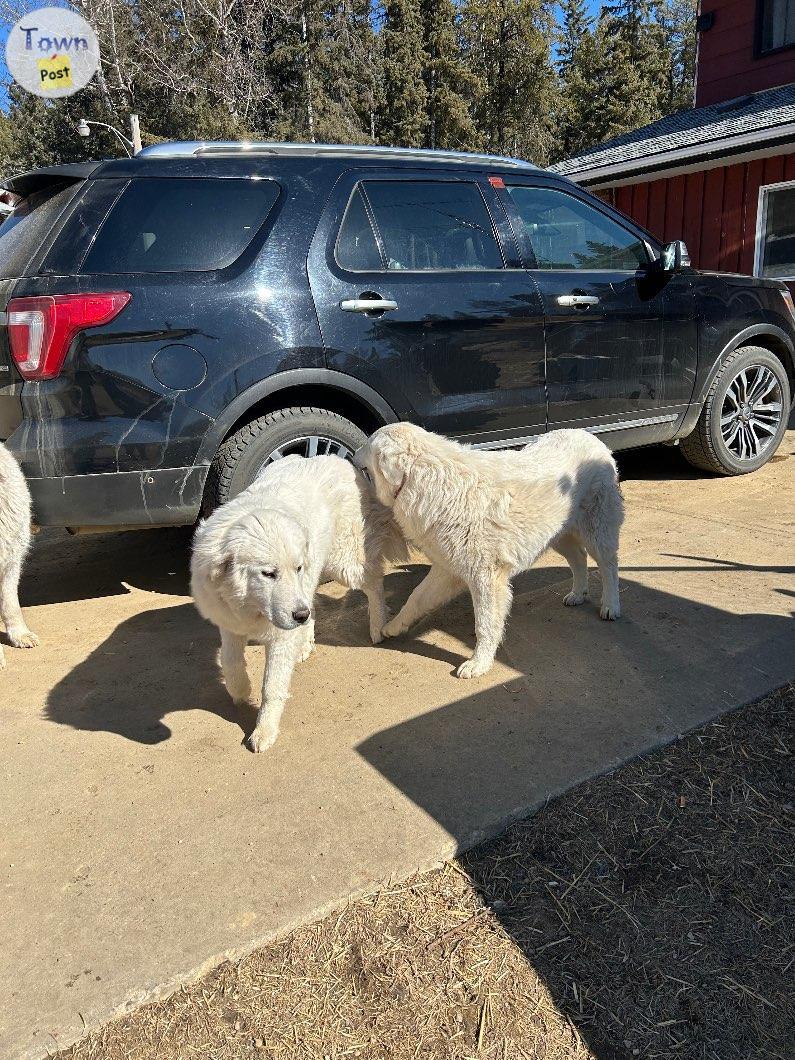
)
(402, 120)
(467, 74)
(637, 51)
(679, 23)
(579, 67)
(507, 45)
(451, 87)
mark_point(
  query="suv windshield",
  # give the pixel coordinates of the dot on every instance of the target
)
(23, 231)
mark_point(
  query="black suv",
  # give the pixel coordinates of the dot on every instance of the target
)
(176, 320)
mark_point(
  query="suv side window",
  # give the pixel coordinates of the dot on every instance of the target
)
(180, 224)
(566, 233)
(424, 226)
(32, 220)
(357, 248)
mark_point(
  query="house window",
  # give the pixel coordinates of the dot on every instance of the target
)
(776, 25)
(775, 245)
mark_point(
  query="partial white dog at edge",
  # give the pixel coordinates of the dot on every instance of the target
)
(15, 537)
(258, 560)
(482, 517)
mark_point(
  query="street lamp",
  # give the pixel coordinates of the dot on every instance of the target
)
(131, 146)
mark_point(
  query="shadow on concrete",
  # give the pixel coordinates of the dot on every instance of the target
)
(589, 696)
(118, 689)
(64, 567)
(653, 903)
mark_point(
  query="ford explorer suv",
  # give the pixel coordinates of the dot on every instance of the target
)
(173, 322)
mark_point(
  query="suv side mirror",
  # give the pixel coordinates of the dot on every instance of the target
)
(674, 257)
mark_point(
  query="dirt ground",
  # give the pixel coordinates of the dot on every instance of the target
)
(642, 914)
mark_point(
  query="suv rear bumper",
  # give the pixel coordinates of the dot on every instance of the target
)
(162, 497)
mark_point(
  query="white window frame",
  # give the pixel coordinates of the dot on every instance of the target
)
(761, 224)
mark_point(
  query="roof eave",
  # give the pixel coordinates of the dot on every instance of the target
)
(665, 160)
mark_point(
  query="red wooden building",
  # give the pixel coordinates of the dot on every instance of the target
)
(720, 176)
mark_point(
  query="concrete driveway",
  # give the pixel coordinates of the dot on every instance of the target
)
(141, 843)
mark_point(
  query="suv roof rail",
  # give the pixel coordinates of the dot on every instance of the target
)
(186, 148)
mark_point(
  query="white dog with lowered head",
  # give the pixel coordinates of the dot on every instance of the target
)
(14, 544)
(482, 517)
(258, 560)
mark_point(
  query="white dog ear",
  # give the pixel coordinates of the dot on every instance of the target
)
(222, 568)
(392, 465)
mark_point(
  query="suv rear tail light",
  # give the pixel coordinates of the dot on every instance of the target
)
(41, 329)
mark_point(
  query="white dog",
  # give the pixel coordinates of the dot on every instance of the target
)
(258, 560)
(482, 517)
(14, 544)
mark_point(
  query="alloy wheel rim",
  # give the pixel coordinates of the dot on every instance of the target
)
(309, 445)
(751, 413)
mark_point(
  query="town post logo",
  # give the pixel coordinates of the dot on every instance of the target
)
(52, 52)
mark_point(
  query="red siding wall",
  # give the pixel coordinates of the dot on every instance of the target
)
(713, 211)
(727, 67)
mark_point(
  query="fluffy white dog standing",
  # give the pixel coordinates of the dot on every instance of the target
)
(258, 560)
(483, 517)
(14, 544)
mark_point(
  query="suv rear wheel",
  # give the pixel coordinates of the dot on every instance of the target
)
(744, 416)
(303, 431)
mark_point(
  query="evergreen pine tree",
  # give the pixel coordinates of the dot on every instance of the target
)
(402, 120)
(507, 44)
(451, 87)
(579, 67)
(678, 19)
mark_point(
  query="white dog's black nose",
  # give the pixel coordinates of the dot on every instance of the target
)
(301, 614)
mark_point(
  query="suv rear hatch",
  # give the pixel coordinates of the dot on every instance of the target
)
(44, 196)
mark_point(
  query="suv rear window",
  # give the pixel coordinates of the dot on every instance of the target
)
(23, 231)
(181, 224)
(425, 226)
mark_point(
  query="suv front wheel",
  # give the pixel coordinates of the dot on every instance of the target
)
(301, 431)
(744, 416)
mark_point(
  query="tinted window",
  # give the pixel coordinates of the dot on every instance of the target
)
(23, 231)
(566, 233)
(168, 224)
(428, 225)
(356, 245)
(778, 233)
(77, 234)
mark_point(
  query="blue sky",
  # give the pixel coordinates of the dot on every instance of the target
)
(593, 7)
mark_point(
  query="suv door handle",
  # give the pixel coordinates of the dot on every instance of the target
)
(367, 305)
(577, 299)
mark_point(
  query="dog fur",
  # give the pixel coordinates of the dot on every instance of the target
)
(258, 560)
(482, 517)
(15, 537)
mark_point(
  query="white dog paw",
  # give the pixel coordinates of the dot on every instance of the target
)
(393, 629)
(305, 652)
(23, 638)
(610, 612)
(261, 739)
(470, 669)
(573, 599)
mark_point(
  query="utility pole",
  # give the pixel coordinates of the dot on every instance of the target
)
(135, 133)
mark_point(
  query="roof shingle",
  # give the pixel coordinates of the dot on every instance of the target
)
(704, 130)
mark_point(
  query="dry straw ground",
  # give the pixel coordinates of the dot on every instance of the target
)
(643, 914)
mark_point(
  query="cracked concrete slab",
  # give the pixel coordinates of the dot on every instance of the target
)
(142, 843)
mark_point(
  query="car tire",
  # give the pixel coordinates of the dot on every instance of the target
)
(243, 455)
(728, 438)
